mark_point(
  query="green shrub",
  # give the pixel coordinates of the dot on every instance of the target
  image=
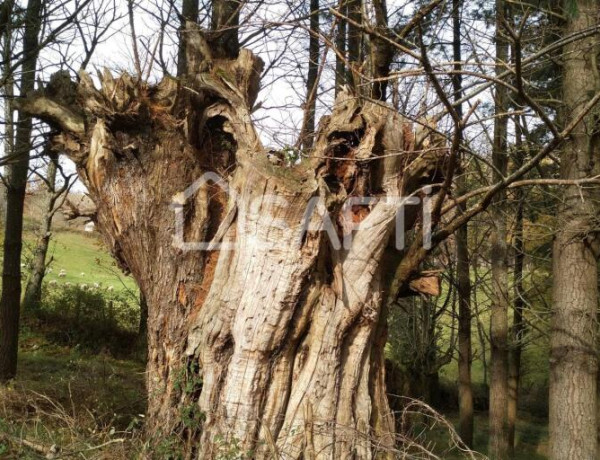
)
(95, 319)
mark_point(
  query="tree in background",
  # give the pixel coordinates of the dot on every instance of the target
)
(16, 182)
(498, 442)
(463, 272)
(312, 77)
(32, 295)
(26, 32)
(573, 354)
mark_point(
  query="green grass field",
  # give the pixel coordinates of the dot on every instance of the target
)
(84, 258)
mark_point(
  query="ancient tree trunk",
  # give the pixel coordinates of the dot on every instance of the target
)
(10, 302)
(275, 341)
(573, 359)
(33, 289)
(463, 274)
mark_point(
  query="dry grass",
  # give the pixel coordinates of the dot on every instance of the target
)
(68, 404)
(64, 405)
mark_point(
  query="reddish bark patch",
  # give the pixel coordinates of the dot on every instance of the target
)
(345, 171)
(181, 295)
(359, 213)
(216, 207)
(408, 137)
(201, 291)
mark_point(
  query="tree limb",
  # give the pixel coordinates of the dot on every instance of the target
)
(53, 113)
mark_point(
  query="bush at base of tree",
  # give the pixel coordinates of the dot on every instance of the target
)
(94, 320)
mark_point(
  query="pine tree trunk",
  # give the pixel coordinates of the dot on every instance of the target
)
(276, 343)
(10, 302)
(573, 351)
(8, 91)
(312, 77)
(465, 390)
(354, 43)
(498, 442)
(518, 328)
(189, 12)
(381, 52)
(340, 46)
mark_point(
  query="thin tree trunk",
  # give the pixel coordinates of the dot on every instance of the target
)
(381, 51)
(482, 342)
(354, 43)
(312, 76)
(498, 441)
(16, 184)
(189, 12)
(573, 353)
(518, 328)
(465, 391)
(8, 91)
(340, 45)
(33, 290)
(481, 335)
(225, 20)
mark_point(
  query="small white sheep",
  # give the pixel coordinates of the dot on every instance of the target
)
(62, 274)
(96, 285)
(52, 283)
(82, 274)
(83, 286)
(110, 289)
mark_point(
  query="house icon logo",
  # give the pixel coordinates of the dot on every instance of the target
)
(316, 219)
(178, 203)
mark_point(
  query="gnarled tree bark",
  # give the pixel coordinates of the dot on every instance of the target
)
(275, 344)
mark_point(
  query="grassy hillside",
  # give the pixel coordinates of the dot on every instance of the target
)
(84, 258)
